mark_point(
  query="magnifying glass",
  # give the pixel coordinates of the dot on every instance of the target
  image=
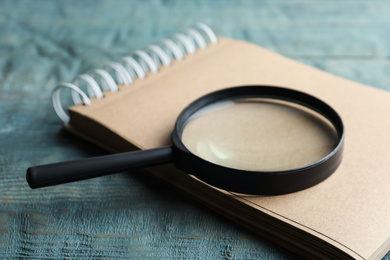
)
(262, 140)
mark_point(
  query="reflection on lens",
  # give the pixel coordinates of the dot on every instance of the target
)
(259, 135)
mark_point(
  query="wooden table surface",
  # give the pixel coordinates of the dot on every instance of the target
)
(127, 215)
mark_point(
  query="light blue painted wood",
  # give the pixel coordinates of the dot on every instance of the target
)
(43, 43)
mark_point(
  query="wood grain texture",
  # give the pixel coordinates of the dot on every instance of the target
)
(128, 215)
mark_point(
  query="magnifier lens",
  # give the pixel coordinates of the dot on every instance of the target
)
(259, 134)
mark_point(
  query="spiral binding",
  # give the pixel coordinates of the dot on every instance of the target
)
(136, 65)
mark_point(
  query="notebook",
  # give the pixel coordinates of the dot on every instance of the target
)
(133, 104)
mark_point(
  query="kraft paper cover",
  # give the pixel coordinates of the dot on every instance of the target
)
(350, 211)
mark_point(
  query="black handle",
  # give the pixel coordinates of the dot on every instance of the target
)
(64, 172)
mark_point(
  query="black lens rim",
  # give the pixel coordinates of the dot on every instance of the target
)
(258, 182)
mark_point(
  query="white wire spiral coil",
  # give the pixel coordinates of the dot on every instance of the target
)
(136, 65)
